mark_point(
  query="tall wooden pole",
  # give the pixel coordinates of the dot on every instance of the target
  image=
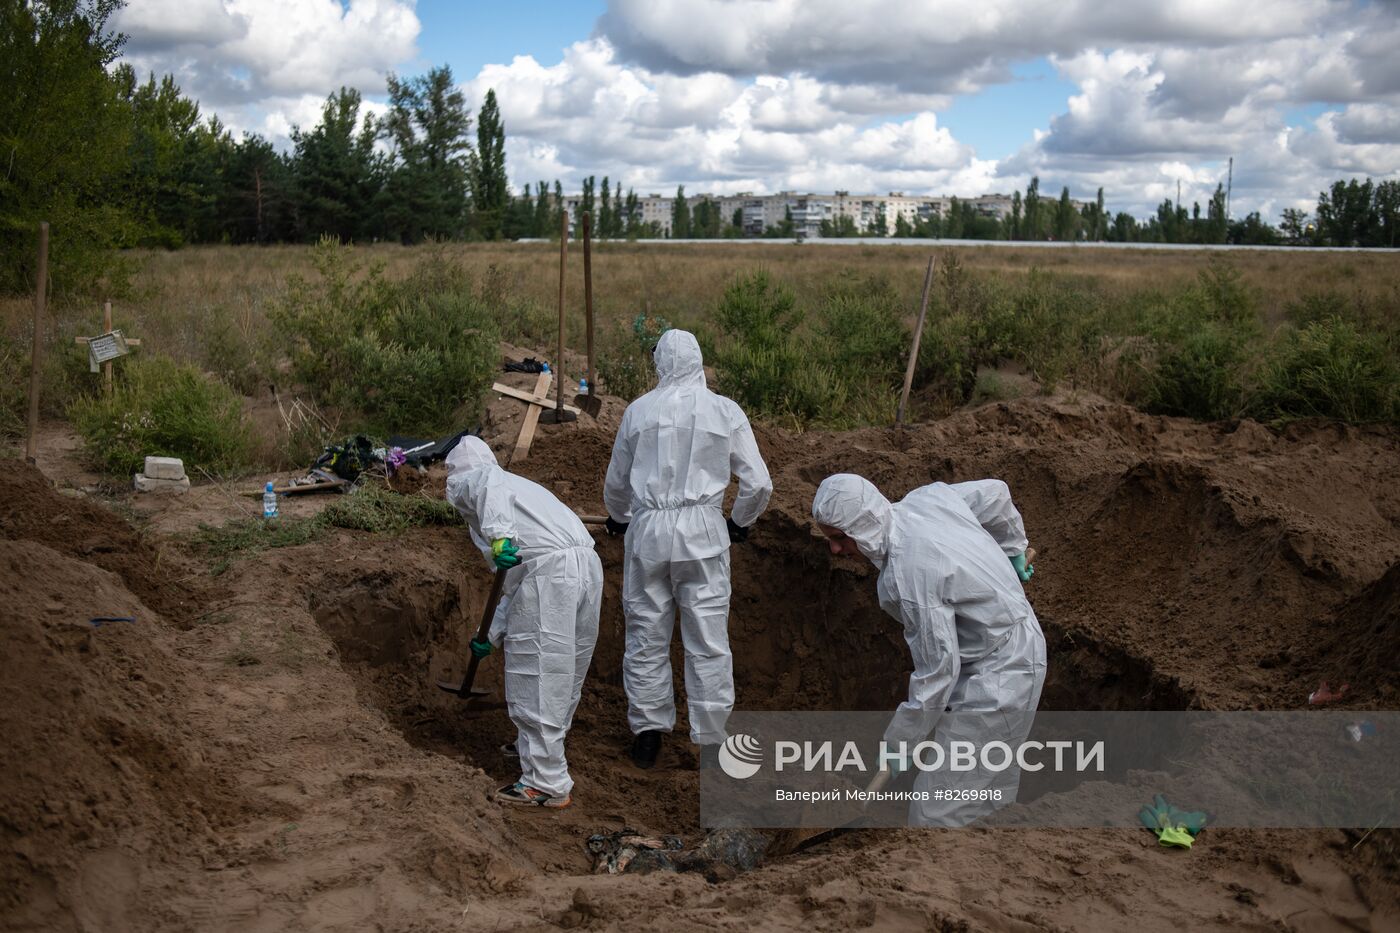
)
(559, 360)
(588, 298)
(914, 352)
(107, 366)
(35, 356)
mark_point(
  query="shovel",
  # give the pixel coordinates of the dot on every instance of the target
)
(464, 689)
(792, 841)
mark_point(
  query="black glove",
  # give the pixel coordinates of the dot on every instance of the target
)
(736, 533)
(615, 528)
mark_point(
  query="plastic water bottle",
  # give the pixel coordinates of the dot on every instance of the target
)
(582, 385)
(269, 502)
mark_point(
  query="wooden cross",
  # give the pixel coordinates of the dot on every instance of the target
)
(106, 329)
(535, 402)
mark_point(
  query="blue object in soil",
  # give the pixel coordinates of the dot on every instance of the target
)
(100, 621)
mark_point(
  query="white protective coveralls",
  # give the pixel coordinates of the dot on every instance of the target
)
(548, 615)
(675, 452)
(942, 553)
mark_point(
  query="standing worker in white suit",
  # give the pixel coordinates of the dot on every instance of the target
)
(952, 560)
(547, 619)
(676, 450)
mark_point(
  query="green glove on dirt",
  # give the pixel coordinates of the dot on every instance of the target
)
(505, 553)
(1173, 826)
(481, 649)
(1023, 570)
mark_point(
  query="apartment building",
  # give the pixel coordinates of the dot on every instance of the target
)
(758, 213)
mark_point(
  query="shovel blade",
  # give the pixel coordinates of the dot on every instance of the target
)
(455, 688)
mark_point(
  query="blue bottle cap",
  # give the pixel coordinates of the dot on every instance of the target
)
(268, 487)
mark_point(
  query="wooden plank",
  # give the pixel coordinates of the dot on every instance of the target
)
(527, 397)
(532, 420)
(130, 341)
(36, 352)
(914, 350)
(290, 490)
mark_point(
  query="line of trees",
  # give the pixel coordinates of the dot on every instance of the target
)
(113, 161)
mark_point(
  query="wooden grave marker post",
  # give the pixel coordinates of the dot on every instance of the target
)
(106, 347)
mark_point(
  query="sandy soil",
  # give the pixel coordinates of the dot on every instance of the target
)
(264, 750)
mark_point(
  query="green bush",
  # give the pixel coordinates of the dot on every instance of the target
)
(409, 357)
(162, 408)
(1329, 369)
(766, 363)
(1198, 376)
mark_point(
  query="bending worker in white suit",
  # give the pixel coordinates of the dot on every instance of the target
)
(675, 452)
(952, 561)
(548, 615)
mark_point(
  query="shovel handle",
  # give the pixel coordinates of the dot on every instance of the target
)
(593, 519)
(498, 583)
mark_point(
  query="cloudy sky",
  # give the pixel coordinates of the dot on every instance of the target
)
(921, 96)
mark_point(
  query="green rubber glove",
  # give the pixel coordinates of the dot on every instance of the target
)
(1023, 570)
(481, 649)
(1173, 826)
(507, 555)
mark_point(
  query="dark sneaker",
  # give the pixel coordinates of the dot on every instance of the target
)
(520, 795)
(709, 757)
(645, 747)
(508, 750)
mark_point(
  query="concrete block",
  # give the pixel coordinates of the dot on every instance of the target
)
(177, 487)
(164, 468)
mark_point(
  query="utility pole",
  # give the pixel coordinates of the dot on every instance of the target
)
(1229, 184)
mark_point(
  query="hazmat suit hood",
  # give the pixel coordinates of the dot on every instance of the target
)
(678, 361)
(853, 504)
(470, 453)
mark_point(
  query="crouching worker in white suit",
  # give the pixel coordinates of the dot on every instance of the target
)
(547, 619)
(951, 561)
(676, 449)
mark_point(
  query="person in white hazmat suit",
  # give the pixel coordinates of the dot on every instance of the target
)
(952, 563)
(676, 449)
(547, 618)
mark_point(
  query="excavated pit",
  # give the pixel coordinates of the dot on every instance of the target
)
(1166, 582)
(806, 634)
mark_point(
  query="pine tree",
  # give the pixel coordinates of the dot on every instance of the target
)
(680, 215)
(585, 202)
(543, 214)
(1064, 218)
(603, 226)
(65, 135)
(1033, 221)
(433, 167)
(557, 220)
(336, 170)
(490, 188)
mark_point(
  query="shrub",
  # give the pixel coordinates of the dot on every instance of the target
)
(162, 408)
(863, 339)
(764, 363)
(1199, 376)
(1329, 369)
(409, 357)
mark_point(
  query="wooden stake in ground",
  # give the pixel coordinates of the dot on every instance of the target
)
(560, 413)
(36, 354)
(108, 343)
(914, 352)
(107, 366)
(588, 298)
